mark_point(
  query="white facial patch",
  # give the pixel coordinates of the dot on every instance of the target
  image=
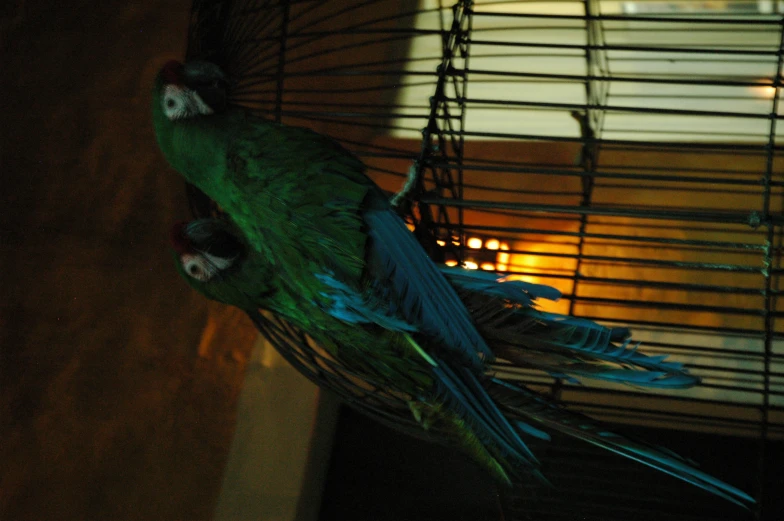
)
(204, 266)
(180, 102)
(197, 267)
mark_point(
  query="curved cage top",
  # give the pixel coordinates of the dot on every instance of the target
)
(625, 152)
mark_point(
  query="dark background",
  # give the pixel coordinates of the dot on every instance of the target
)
(379, 474)
(107, 410)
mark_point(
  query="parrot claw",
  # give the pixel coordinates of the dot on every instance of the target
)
(415, 411)
(411, 182)
(423, 414)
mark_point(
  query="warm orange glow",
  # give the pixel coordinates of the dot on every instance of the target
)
(764, 91)
(503, 258)
(533, 268)
(502, 267)
(451, 263)
(470, 265)
(440, 242)
(487, 266)
(492, 244)
(474, 243)
(410, 227)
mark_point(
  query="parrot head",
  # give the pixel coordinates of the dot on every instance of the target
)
(192, 89)
(214, 259)
(206, 248)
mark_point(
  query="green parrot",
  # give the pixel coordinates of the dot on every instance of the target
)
(217, 261)
(314, 240)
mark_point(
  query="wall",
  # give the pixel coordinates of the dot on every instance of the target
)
(108, 410)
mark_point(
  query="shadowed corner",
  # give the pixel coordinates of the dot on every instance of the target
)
(281, 446)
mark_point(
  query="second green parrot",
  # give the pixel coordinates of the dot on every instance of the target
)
(318, 243)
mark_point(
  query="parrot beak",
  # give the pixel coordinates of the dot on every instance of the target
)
(208, 81)
(212, 237)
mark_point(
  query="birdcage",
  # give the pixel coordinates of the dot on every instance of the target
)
(625, 152)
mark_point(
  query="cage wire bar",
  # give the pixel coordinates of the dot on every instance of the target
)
(753, 226)
(625, 152)
(746, 229)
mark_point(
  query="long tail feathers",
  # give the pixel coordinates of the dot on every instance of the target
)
(491, 284)
(561, 345)
(460, 389)
(502, 314)
(530, 407)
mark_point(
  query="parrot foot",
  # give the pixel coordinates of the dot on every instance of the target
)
(411, 182)
(423, 413)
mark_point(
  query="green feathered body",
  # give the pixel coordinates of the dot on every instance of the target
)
(309, 209)
(325, 253)
(380, 356)
(294, 194)
(308, 193)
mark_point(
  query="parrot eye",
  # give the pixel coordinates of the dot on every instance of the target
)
(197, 268)
(174, 103)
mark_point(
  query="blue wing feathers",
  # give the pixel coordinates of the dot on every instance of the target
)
(473, 400)
(419, 297)
(531, 328)
(427, 298)
(490, 283)
(353, 307)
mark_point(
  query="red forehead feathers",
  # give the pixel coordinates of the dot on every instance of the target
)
(179, 241)
(172, 73)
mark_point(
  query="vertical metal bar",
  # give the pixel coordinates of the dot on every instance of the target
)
(769, 296)
(463, 44)
(448, 40)
(588, 153)
(443, 180)
(284, 31)
(440, 115)
(588, 158)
